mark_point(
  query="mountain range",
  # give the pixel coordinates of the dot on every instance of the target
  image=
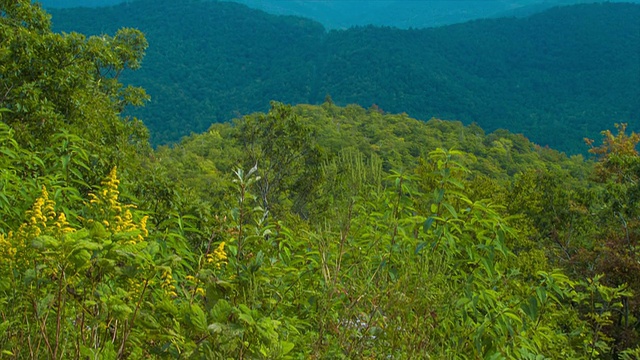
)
(342, 14)
(403, 13)
(557, 76)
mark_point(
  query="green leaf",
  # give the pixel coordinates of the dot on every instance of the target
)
(247, 318)
(487, 264)
(88, 245)
(531, 308)
(80, 258)
(198, 318)
(456, 183)
(420, 247)
(451, 210)
(45, 242)
(542, 294)
(286, 347)
(513, 317)
(45, 303)
(438, 195)
(215, 328)
(427, 224)
(4, 326)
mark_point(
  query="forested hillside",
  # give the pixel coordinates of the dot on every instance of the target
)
(301, 232)
(557, 77)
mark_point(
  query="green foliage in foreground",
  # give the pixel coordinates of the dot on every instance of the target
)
(305, 232)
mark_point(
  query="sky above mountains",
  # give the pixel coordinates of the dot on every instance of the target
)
(340, 14)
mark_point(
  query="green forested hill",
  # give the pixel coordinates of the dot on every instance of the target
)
(207, 61)
(557, 76)
(303, 232)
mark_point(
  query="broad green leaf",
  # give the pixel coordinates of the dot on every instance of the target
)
(215, 328)
(80, 258)
(247, 318)
(427, 224)
(286, 347)
(45, 242)
(198, 318)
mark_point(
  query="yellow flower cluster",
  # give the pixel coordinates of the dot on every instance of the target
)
(218, 257)
(41, 219)
(118, 217)
(62, 225)
(109, 193)
(167, 284)
(125, 223)
(135, 287)
(143, 228)
(41, 213)
(7, 249)
(193, 281)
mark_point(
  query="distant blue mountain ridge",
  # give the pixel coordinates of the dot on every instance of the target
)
(78, 3)
(557, 76)
(342, 14)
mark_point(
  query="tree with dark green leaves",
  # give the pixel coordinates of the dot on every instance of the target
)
(67, 82)
(283, 150)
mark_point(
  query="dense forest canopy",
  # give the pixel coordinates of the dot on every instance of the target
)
(301, 232)
(556, 77)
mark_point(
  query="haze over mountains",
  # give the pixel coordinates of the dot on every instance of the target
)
(341, 14)
(403, 13)
(557, 76)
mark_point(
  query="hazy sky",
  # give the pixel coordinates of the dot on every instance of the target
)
(337, 14)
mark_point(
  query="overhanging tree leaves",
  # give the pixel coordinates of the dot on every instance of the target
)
(56, 81)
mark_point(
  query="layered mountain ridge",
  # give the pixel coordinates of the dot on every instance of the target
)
(556, 77)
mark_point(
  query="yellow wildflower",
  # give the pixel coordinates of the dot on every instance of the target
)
(143, 226)
(116, 217)
(219, 253)
(7, 250)
(218, 257)
(62, 224)
(167, 283)
(40, 213)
